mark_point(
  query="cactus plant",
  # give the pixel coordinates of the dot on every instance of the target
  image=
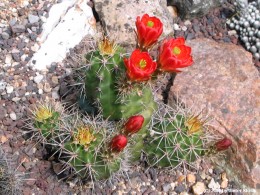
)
(81, 143)
(176, 138)
(121, 117)
(9, 179)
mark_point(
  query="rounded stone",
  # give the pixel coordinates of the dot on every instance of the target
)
(13, 116)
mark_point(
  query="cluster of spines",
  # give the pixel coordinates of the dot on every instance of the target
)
(176, 138)
(81, 143)
(9, 179)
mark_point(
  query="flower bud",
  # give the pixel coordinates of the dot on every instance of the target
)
(223, 144)
(118, 143)
(134, 124)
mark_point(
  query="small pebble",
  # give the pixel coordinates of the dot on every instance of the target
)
(8, 59)
(213, 185)
(13, 116)
(191, 178)
(176, 26)
(47, 88)
(9, 89)
(33, 19)
(5, 35)
(37, 79)
(198, 188)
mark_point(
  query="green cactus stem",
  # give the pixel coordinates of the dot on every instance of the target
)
(175, 140)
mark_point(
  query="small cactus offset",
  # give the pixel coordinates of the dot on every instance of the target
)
(46, 119)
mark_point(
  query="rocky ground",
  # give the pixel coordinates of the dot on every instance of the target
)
(21, 87)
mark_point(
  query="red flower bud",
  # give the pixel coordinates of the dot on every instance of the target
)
(134, 124)
(118, 143)
(140, 66)
(174, 54)
(223, 144)
(149, 29)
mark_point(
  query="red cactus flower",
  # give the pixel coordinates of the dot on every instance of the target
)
(134, 124)
(118, 143)
(174, 54)
(149, 29)
(140, 66)
(223, 144)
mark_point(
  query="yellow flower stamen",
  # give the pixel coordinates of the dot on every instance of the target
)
(107, 47)
(83, 136)
(150, 23)
(194, 124)
(142, 63)
(43, 113)
(176, 51)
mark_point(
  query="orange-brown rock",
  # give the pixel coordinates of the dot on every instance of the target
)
(224, 80)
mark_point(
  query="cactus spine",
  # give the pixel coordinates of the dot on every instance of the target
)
(176, 139)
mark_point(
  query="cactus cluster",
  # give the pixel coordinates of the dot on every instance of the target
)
(247, 24)
(119, 118)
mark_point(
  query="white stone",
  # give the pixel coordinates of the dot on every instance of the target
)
(13, 116)
(55, 95)
(73, 26)
(32, 18)
(176, 26)
(43, 19)
(213, 185)
(23, 57)
(187, 23)
(199, 188)
(37, 79)
(35, 47)
(16, 99)
(8, 59)
(232, 32)
(40, 91)
(9, 89)
(56, 13)
(184, 28)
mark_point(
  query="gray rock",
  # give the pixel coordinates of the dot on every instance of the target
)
(5, 35)
(2, 85)
(166, 187)
(33, 19)
(18, 28)
(193, 8)
(12, 22)
(120, 23)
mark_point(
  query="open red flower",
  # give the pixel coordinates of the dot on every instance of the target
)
(174, 54)
(149, 29)
(140, 66)
(133, 124)
(223, 144)
(118, 143)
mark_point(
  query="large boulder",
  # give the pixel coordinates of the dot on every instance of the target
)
(188, 9)
(118, 17)
(224, 80)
